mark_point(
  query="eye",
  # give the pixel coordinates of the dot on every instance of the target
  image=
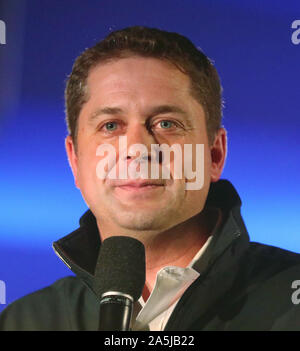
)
(110, 126)
(166, 124)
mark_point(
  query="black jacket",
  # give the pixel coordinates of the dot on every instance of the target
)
(242, 286)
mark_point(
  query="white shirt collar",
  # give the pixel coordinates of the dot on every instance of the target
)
(171, 282)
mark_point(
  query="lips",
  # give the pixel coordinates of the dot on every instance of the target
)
(136, 183)
(137, 189)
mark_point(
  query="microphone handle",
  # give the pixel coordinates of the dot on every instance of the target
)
(115, 312)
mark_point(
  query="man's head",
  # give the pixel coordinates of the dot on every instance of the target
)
(138, 80)
(205, 86)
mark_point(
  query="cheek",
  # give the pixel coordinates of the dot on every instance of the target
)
(196, 165)
(197, 178)
(207, 164)
(196, 200)
(90, 186)
(87, 163)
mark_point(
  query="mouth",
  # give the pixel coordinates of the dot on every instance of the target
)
(137, 188)
(137, 183)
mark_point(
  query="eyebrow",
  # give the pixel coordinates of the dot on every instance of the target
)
(161, 109)
(104, 111)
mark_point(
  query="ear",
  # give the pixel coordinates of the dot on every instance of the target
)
(218, 152)
(72, 157)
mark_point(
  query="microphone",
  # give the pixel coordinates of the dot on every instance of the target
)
(119, 281)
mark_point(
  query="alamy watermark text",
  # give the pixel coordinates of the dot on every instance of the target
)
(184, 161)
(296, 34)
(2, 293)
(2, 32)
(296, 294)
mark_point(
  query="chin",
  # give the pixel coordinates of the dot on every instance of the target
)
(140, 220)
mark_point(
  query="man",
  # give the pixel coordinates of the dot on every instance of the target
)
(202, 273)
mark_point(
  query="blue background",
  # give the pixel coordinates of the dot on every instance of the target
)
(250, 43)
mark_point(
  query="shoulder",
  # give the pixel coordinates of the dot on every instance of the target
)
(50, 308)
(271, 278)
(267, 256)
(262, 263)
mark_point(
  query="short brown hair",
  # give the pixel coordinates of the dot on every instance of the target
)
(148, 42)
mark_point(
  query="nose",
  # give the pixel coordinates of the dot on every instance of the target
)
(139, 141)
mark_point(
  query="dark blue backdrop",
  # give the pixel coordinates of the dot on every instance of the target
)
(250, 42)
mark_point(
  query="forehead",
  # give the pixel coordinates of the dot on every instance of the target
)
(138, 85)
(138, 75)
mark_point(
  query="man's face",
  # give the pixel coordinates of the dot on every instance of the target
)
(148, 101)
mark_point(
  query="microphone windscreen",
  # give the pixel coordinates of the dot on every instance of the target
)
(120, 267)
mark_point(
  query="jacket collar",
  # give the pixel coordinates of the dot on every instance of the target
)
(79, 249)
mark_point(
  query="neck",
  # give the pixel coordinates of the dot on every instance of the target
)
(177, 246)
